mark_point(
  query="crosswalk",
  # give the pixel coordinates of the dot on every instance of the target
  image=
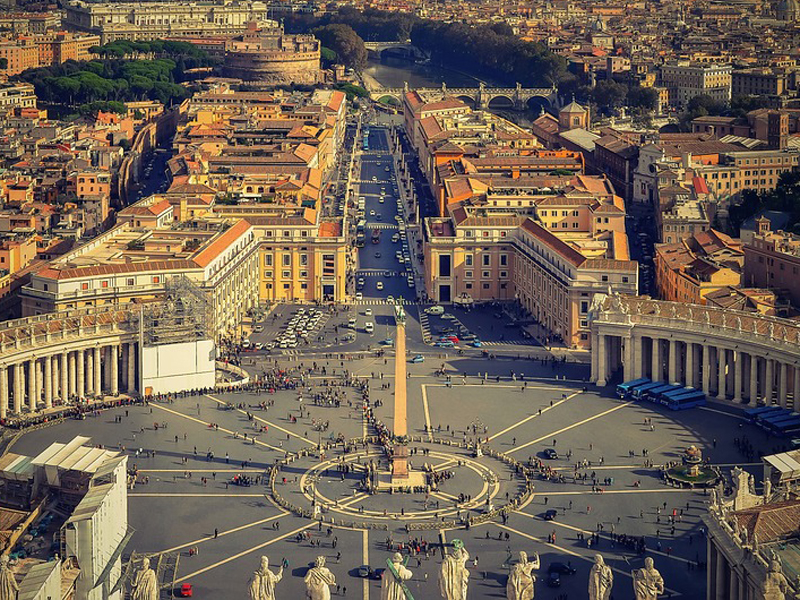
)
(382, 302)
(369, 181)
(510, 343)
(381, 226)
(375, 272)
(425, 325)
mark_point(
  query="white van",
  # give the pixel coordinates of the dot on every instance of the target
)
(352, 323)
(435, 310)
(369, 327)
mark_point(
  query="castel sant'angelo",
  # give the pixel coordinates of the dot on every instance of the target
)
(267, 54)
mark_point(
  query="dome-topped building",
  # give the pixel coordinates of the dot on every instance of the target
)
(787, 10)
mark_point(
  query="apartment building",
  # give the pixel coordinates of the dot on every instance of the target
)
(762, 81)
(692, 268)
(685, 79)
(549, 244)
(44, 50)
(772, 261)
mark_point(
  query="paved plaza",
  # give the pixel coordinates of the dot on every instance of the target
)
(185, 500)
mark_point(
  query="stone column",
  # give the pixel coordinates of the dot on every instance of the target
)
(594, 355)
(98, 372)
(636, 340)
(64, 372)
(753, 379)
(796, 389)
(690, 374)
(3, 391)
(722, 379)
(719, 571)
(769, 381)
(48, 382)
(80, 360)
(131, 368)
(114, 362)
(602, 360)
(673, 362)
(88, 357)
(735, 586)
(783, 375)
(656, 366)
(738, 357)
(19, 390)
(627, 359)
(32, 388)
(73, 373)
(706, 370)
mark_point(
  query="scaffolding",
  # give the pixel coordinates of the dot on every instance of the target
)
(185, 314)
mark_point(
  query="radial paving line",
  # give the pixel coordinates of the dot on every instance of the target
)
(672, 593)
(191, 495)
(229, 531)
(427, 411)
(611, 492)
(261, 420)
(568, 427)
(245, 552)
(205, 423)
(365, 559)
(533, 416)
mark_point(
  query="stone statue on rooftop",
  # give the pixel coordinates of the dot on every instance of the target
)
(145, 583)
(319, 580)
(393, 587)
(775, 586)
(601, 578)
(454, 575)
(262, 586)
(647, 581)
(521, 580)
(8, 583)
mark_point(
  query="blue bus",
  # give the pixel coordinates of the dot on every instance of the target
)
(688, 400)
(784, 427)
(624, 389)
(652, 394)
(775, 415)
(640, 391)
(753, 414)
(664, 397)
(779, 419)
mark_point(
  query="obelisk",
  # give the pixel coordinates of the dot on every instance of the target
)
(400, 450)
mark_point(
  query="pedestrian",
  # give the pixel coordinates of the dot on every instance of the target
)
(216, 532)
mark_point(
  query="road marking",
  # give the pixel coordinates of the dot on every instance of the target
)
(191, 495)
(636, 491)
(533, 416)
(245, 552)
(229, 531)
(205, 424)
(563, 429)
(722, 412)
(365, 560)
(259, 471)
(672, 593)
(427, 411)
(260, 420)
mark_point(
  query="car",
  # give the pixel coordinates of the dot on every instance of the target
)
(360, 281)
(476, 344)
(445, 344)
(410, 282)
(185, 591)
(258, 328)
(448, 316)
(351, 323)
(395, 238)
(378, 217)
(388, 274)
(435, 310)
(550, 453)
(369, 327)
(553, 580)
(561, 568)
(368, 312)
(452, 338)
(359, 296)
(259, 346)
(381, 200)
(246, 344)
(364, 571)
(379, 285)
(377, 255)
(390, 299)
(374, 178)
(418, 359)
(550, 515)
(387, 342)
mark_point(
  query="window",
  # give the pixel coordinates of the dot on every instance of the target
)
(584, 307)
(604, 278)
(304, 260)
(503, 274)
(444, 265)
(287, 234)
(468, 260)
(304, 274)
(485, 234)
(468, 274)
(286, 286)
(268, 260)
(487, 259)
(287, 260)
(584, 323)
(486, 286)
(268, 274)
(104, 283)
(624, 279)
(286, 274)
(468, 286)
(303, 286)
(328, 265)
(156, 279)
(486, 274)
(503, 286)
(504, 260)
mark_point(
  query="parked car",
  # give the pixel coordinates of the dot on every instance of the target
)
(435, 310)
(562, 568)
(364, 571)
(550, 515)
(418, 359)
(550, 453)
(554, 580)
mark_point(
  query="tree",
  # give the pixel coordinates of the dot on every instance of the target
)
(643, 98)
(345, 43)
(609, 96)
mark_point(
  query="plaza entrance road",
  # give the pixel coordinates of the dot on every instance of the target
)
(174, 511)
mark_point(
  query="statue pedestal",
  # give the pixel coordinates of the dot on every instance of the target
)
(400, 464)
(387, 481)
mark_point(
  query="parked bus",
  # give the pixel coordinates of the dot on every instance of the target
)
(772, 415)
(785, 428)
(652, 395)
(638, 392)
(752, 414)
(664, 397)
(624, 389)
(688, 400)
(778, 419)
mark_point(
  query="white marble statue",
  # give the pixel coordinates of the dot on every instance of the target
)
(393, 587)
(145, 583)
(262, 586)
(521, 580)
(319, 580)
(647, 582)
(601, 578)
(454, 575)
(775, 585)
(8, 583)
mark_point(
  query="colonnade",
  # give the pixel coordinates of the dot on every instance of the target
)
(49, 375)
(732, 373)
(729, 355)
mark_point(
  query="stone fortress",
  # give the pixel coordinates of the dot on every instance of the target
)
(268, 55)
